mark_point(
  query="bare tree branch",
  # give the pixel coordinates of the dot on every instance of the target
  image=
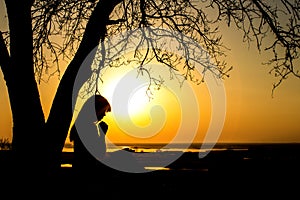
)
(259, 19)
(58, 28)
(4, 54)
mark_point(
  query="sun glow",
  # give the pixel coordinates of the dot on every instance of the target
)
(138, 101)
(158, 116)
(126, 92)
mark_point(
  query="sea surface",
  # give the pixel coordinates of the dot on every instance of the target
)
(163, 147)
(185, 147)
(188, 156)
(160, 152)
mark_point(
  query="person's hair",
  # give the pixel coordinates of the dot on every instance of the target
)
(101, 105)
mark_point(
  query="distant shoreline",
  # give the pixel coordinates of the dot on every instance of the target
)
(274, 166)
(233, 152)
(285, 155)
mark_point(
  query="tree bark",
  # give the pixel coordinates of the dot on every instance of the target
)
(27, 113)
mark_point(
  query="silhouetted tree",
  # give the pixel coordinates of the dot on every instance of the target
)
(44, 32)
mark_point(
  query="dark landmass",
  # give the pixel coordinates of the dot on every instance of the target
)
(260, 169)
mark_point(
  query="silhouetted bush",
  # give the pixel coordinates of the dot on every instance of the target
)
(5, 144)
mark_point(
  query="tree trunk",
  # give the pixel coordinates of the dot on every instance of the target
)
(61, 111)
(27, 113)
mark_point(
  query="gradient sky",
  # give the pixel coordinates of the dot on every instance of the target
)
(252, 115)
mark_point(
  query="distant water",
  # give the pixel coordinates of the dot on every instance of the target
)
(184, 147)
(262, 151)
(162, 147)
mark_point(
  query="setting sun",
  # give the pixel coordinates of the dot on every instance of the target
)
(144, 113)
(138, 101)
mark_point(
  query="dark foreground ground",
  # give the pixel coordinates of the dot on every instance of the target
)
(268, 171)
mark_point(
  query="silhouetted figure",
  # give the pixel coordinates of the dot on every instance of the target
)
(88, 136)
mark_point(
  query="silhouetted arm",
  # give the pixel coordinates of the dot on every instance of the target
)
(103, 127)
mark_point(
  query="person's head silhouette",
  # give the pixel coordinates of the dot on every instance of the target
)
(102, 106)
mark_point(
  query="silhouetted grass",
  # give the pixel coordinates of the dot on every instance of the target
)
(5, 144)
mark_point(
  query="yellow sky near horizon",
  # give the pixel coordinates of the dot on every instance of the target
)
(252, 115)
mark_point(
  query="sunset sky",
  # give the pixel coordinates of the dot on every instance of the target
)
(252, 114)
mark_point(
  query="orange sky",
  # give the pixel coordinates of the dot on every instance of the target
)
(252, 115)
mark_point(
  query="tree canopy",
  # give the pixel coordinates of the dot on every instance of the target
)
(59, 27)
